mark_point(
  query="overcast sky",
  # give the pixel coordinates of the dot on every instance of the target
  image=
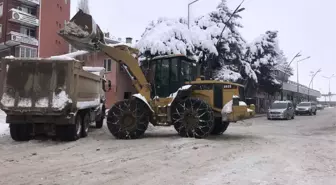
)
(304, 25)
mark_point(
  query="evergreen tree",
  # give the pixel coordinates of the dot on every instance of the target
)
(229, 44)
(263, 54)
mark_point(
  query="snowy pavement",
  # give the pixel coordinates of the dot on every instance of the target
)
(257, 151)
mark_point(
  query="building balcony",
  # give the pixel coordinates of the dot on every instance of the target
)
(22, 38)
(31, 2)
(24, 18)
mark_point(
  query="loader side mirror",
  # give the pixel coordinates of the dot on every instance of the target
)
(103, 85)
(109, 85)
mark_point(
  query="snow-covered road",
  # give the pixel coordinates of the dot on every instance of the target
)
(257, 151)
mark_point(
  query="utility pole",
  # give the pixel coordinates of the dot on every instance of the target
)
(189, 11)
(283, 77)
(311, 81)
(297, 72)
(329, 78)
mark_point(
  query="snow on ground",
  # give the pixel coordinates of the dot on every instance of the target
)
(4, 130)
(254, 152)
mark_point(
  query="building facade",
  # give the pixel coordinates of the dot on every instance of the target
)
(122, 87)
(28, 28)
(290, 91)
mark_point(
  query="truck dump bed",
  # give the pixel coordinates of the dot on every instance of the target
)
(45, 86)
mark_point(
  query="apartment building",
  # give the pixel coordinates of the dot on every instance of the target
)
(28, 28)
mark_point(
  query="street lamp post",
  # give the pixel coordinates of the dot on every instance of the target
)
(311, 81)
(189, 11)
(283, 77)
(297, 71)
(329, 78)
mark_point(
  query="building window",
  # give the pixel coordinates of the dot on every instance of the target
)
(28, 10)
(108, 65)
(28, 31)
(1, 9)
(25, 52)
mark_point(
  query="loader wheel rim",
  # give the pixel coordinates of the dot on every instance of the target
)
(191, 120)
(129, 122)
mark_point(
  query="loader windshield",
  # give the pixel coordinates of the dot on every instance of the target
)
(167, 74)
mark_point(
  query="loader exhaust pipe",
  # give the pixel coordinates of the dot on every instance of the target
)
(82, 32)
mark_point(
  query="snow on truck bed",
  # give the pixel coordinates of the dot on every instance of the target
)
(59, 101)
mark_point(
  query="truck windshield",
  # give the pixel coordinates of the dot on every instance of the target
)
(279, 106)
(304, 104)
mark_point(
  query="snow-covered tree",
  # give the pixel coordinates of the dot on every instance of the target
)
(227, 39)
(84, 6)
(172, 36)
(263, 55)
(205, 39)
(283, 65)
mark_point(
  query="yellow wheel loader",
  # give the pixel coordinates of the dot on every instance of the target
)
(170, 90)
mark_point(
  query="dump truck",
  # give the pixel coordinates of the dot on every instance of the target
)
(170, 90)
(55, 97)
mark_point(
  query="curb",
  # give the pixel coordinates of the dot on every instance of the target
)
(259, 115)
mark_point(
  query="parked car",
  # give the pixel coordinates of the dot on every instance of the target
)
(306, 108)
(281, 110)
(320, 107)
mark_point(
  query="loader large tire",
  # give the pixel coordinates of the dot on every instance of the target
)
(21, 132)
(220, 126)
(128, 119)
(192, 117)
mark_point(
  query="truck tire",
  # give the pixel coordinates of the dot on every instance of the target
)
(128, 119)
(21, 132)
(220, 126)
(85, 124)
(99, 123)
(70, 132)
(192, 117)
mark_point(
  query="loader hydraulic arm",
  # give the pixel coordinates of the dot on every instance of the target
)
(122, 54)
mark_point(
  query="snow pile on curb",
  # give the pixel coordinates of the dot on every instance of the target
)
(4, 129)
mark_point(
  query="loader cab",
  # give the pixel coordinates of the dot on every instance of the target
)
(168, 73)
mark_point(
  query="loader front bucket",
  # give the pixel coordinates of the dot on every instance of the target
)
(82, 32)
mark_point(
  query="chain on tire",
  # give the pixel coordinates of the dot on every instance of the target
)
(192, 117)
(128, 119)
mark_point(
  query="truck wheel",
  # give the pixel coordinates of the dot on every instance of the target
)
(220, 126)
(128, 119)
(70, 132)
(20, 132)
(99, 123)
(85, 124)
(192, 117)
